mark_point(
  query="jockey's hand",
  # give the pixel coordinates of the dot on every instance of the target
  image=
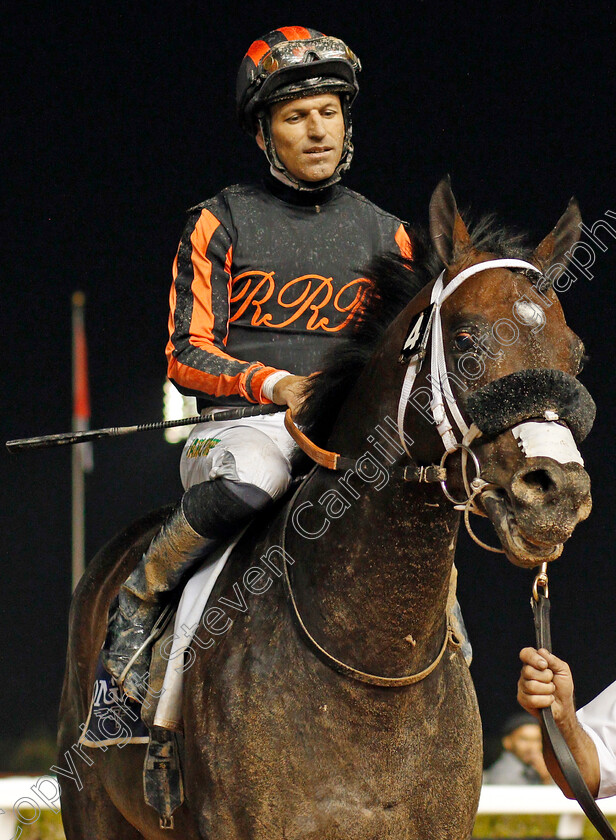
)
(545, 680)
(290, 391)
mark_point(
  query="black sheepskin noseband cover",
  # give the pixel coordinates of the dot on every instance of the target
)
(527, 395)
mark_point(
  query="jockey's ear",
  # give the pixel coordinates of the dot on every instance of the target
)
(555, 248)
(447, 230)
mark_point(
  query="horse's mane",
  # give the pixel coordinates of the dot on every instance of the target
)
(394, 281)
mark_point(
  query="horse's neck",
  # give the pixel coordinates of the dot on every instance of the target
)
(372, 587)
(374, 577)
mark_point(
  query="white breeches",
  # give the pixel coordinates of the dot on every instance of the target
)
(253, 450)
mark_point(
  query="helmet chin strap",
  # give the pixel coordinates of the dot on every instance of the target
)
(282, 176)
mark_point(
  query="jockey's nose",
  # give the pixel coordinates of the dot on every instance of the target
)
(316, 125)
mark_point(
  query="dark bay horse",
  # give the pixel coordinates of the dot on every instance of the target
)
(308, 727)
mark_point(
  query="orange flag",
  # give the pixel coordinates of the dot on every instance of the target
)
(81, 389)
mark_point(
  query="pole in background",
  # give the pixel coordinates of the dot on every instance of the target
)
(81, 455)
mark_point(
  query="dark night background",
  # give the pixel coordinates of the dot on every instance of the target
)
(116, 122)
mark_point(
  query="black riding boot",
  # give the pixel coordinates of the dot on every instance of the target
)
(217, 509)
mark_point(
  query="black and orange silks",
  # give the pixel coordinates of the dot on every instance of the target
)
(267, 279)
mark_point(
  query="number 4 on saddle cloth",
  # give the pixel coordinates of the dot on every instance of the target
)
(117, 720)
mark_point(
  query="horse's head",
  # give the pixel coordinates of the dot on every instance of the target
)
(492, 365)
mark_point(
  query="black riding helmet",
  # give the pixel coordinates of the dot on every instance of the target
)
(288, 63)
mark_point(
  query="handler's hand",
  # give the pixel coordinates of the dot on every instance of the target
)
(545, 680)
(290, 391)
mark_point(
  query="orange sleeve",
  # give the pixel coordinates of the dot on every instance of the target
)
(197, 361)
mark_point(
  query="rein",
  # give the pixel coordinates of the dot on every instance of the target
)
(450, 641)
(430, 474)
(540, 604)
(433, 473)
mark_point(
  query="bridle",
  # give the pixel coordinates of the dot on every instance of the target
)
(425, 324)
(442, 393)
(439, 376)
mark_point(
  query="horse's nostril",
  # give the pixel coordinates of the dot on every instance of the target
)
(539, 480)
(538, 484)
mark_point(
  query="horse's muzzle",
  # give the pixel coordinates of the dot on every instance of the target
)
(539, 510)
(550, 498)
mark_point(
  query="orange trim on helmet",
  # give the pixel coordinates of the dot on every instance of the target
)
(257, 50)
(295, 33)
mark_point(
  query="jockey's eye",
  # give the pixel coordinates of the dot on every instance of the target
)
(464, 341)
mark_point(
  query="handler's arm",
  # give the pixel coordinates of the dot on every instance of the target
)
(546, 681)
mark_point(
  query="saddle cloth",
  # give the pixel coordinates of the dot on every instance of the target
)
(167, 700)
(115, 720)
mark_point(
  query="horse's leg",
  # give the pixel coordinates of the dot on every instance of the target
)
(89, 813)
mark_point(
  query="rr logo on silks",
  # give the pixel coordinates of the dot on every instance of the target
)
(417, 336)
(200, 447)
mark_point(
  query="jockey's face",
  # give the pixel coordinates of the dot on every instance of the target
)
(308, 134)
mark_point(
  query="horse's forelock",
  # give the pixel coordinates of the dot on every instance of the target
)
(500, 241)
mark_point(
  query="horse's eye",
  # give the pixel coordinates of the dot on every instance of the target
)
(582, 364)
(464, 341)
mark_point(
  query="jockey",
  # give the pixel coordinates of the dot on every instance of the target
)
(265, 281)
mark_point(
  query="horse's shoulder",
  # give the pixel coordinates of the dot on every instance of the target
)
(259, 541)
(252, 576)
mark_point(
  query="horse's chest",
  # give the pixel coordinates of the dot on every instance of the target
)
(317, 756)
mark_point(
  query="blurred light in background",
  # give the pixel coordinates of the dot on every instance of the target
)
(175, 407)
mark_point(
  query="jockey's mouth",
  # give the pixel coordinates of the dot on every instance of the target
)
(318, 150)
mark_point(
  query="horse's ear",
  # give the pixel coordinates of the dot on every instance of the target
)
(447, 230)
(556, 245)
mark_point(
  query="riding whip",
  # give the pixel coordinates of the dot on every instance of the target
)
(69, 438)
